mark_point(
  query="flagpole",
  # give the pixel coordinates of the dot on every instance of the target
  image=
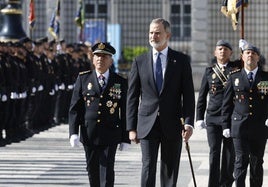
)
(31, 33)
(82, 33)
(242, 32)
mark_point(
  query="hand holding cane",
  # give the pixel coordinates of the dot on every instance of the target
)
(187, 147)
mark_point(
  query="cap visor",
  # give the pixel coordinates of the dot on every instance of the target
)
(102, 52)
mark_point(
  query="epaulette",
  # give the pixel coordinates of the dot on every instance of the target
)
(84, 72)
(235, 70)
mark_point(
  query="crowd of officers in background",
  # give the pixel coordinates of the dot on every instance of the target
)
(36, 83)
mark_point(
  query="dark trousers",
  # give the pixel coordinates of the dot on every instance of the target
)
(221, 158)
(100, 165)
(249, 151)
(170, 158)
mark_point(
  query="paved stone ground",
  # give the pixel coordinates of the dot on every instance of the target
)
(47, 160)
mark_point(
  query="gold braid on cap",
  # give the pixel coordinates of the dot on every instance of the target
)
(101, 46)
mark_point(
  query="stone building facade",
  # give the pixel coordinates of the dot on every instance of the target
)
(197, 24)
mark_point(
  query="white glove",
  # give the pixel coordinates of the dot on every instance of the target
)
(226, 133)
(62, 86)
(4, 98)
(52, 92)
(74, 140)
(56, 87)
(13, 95)
(200, 124)
(41, 88)
(70, 87)
(266, 122)
(22, 95)
(123, 146)
(33, 89)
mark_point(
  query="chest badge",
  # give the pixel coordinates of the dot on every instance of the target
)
(236, 82)
(89, 86)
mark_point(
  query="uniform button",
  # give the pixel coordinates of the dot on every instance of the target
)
(99, 112)
(100, 104)
(98, 120)
(235, 118)
(250, 106)
(250, 90)
(250, 98)
(101, 96)
(250, 114)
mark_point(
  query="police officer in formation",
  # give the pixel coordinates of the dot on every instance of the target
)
(30, 76)
(98, 115)
(221, 154)
(245, 116)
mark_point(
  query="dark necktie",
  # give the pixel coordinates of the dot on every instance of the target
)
(158, 73)
(250, 78)
(102, 82)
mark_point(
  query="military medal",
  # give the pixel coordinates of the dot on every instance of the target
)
(112, 110)
(115, 91)
(236, 82)
(109, 103)
(263, 87)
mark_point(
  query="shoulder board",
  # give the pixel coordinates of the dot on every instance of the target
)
(84, 72)
(235, 70)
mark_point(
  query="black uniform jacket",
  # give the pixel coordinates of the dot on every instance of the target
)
(100, 116)
(246, 107)
(213, 86)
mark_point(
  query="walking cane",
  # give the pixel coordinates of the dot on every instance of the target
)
(187, 147)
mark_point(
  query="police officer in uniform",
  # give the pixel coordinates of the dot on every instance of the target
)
(213, 84)
(98, 108)
(245, 113)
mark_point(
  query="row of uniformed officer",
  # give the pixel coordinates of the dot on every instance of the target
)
(29, 85)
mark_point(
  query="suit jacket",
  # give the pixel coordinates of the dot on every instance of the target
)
(175, 100)
(211, 85)
(245, 107)
(100, 116)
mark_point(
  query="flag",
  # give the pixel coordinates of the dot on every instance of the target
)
(54, 26)
(80, 16)
(31, 14)
(231, 8)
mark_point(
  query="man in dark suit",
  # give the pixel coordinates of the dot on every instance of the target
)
(221, 154)
(98, 108)
(160, 93)
(245, 108)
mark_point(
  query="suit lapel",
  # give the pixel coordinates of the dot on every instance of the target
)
(257, 77)
(110, 81)
(245, 78)
(169, 67)
(96, 82)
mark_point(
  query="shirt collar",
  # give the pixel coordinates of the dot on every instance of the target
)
(253, 71)
(163, 52)
(105, 74)
(222, 65)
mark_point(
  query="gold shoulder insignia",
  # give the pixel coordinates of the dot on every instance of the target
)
(84, 72)
(235, 70)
